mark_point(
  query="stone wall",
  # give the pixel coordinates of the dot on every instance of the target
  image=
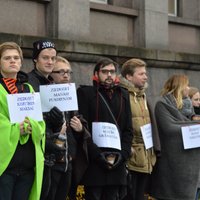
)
(83, 56)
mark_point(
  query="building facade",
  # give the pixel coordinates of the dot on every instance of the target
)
(165, 33)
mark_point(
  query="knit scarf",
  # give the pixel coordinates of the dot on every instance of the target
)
(11, 85)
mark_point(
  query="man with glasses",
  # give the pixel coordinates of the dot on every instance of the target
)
(44, 58)
(73, 132)
(106, 107)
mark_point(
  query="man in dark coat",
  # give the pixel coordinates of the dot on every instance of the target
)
(106, 102)
(58, 158)
(44, 57)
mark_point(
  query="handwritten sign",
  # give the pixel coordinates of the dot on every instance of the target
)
(63, 96)
(24, 105)
(191, 136)
(106, 135)
(147, 135)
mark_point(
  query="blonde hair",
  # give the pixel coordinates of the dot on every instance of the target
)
(175, 86)
(129, 66)
(63, 60)
(10, 45)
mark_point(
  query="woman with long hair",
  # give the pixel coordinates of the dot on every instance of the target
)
(176, 173)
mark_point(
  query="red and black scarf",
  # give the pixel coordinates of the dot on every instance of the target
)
(10, 84)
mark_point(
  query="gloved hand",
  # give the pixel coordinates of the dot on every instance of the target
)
(118, 160)
(102, 161)
(51, 147)
(55, 119)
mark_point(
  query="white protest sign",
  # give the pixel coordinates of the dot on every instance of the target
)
(106, 135)
(147, 135)
(191, 136)
(24, 105)
(63, 96)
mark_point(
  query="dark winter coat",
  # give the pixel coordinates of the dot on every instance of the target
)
(93, 109)
(35, 78)
(176, 174)
(77, 142)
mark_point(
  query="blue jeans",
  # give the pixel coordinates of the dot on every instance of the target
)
(16, 186)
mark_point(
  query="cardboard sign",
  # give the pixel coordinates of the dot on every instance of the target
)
(106, 135)
(24, 105)
(191, 136)
(63, 96)
(147, 135)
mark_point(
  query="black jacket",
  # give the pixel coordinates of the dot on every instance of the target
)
(94, 109)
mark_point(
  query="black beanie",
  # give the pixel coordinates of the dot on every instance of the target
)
(40, 45)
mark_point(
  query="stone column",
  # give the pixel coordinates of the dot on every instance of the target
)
(68, 19)
(151, 25)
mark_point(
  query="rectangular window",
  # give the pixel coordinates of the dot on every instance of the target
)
(99, 1)
(172, 7)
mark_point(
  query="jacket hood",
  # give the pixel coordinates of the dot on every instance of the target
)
(22, 77)
(131, 87)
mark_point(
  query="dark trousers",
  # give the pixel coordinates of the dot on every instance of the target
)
(137, 186)
(102, 193)
(16, 186)
(46, 182)
(60, 184)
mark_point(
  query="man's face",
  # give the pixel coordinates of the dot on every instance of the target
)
(61, 72)
(107, 74)
(139, 77)
(46, 61)
(10, 63)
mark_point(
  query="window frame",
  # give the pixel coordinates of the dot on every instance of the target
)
(175, 14)
(100, 1)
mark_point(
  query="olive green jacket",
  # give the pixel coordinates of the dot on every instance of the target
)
(141, 160)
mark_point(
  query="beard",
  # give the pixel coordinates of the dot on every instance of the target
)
(108, 83)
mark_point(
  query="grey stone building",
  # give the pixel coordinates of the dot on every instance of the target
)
(165, 33)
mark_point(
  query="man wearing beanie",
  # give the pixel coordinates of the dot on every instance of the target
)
(106, 108)
(44, 58)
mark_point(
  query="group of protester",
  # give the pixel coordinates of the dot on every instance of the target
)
(102, 145)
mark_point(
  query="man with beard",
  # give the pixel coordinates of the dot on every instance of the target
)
(106, 107)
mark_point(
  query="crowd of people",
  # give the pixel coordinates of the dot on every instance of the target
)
(117, 145)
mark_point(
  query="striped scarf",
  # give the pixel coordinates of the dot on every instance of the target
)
(11, 85)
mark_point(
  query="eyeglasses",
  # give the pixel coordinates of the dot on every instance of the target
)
(63, 72)
(106, 71)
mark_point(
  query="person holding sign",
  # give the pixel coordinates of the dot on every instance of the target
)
(177, 172)
(106, 107)
(44, 58)
(72, 137)
(145, 142)
(21, 144)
